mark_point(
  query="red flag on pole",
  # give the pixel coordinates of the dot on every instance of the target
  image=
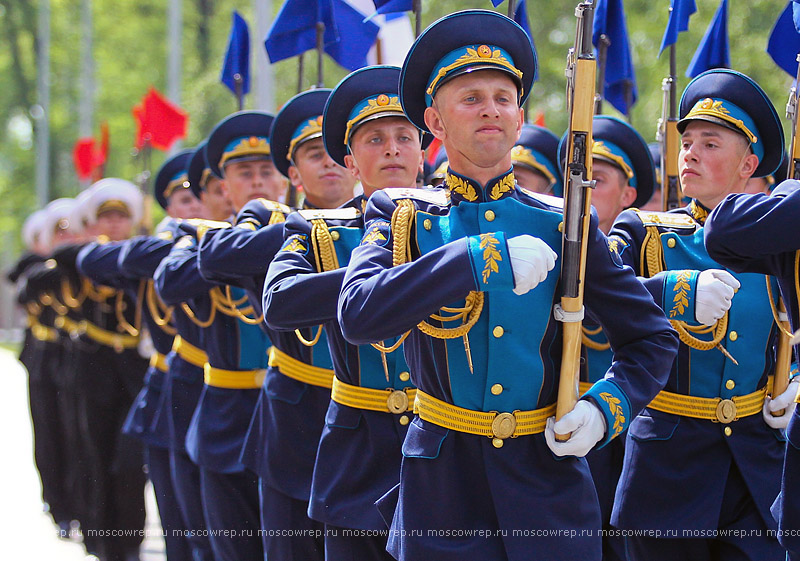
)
(539, 120)
(90, 159)
(159, 121)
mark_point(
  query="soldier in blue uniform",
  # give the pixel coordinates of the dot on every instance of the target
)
(535, 161)
(756, 233)
(284, 431)
(207, 186)
(458, 269)
(238, 151)
(358, 459)
(701, 460)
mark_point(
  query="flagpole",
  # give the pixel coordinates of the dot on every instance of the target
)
(602, 57)
(42, 107)
(237, 80)
(417, 17)
(320, 50)
(628, 86)
(300, 70)
(86, 103)
(174, 56)
(511, 8)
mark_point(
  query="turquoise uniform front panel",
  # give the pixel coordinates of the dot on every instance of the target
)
(371, 367)
(750, 323)
(253, 341)
(507, 381)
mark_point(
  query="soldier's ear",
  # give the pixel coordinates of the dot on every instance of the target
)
(294, 176)
(352, 166)
(433, 120)
(749, 165)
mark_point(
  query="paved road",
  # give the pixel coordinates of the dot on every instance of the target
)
(25, 531)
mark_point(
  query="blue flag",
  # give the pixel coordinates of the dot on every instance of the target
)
(237, 57)
(391, 7)
(496, 3)
(713, 50)
(347, 38)
(679, 15)
(796, 14)
(609, 20)
(784, 42)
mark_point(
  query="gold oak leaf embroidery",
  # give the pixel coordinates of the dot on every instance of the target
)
(502, 186)
(461, 187)
(491, 255)
(681, 289)
(616, 409)
(374, 236)
(295, 245)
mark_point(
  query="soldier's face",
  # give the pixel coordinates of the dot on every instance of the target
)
(713, 162)
(477, 118)
(183, 204)
(116, 225)
(386, 152)
(217, 206)
(245, 181)
(532, 180)
(325, 183)
(611, 195)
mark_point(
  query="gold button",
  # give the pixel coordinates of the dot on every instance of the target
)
(404, 376)
(727, 431)
(334, 235)
(489, 215)
(730, 384)
(671, 242)
(560, 226)
(497, 389)
(733, 336)
(498, 331)
(427, 224)
(497, 442)
(403, 420)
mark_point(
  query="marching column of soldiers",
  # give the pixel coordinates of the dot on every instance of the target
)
(346, 364)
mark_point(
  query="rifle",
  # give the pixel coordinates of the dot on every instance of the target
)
(669, 140)
(581, 70)
(783, 354)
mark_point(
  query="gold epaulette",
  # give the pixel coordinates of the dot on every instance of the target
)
(275, 206)
(166, 235)
(345, 213)
(668, 219)
(549, 200)
(437, 196)
(203, 225)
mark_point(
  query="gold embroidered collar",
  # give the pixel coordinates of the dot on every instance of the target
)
(699, 212)
(469, 190)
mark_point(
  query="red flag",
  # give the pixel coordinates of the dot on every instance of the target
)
(433, 149)
(539, 120)
(83, 157)
(159, 122)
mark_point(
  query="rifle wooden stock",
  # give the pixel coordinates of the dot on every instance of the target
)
(783, 352)
(581, 75)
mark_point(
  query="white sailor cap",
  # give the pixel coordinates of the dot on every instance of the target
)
(33, 227)
(113, 193)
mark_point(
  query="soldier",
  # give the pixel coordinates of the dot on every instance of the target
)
(102, 263)
(358, 459)
(109, 374)
(281, 443)
(458, 270)
(238, 151)
(709, 418)
(535, 161)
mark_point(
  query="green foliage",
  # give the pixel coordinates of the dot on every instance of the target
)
(129, 53)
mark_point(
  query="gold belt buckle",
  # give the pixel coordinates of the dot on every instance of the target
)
(397, 402)
(726, 411)
(504, 425)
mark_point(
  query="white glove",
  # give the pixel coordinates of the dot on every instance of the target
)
(784, 401)
(715, 288)
(585, 422)
(531, 260)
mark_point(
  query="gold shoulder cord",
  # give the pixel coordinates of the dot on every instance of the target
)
(402, 223)
(193, 317)
(276, 217)
(653, 259)
(70, 299)
(49, 299)
(325, 260)
(591, 343)
(225, 303)
(119, 309)
(99, 294)
(157, 308)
